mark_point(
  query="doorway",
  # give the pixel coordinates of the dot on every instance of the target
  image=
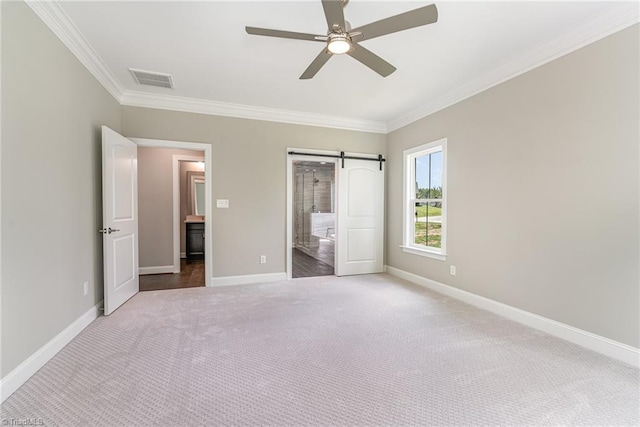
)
(189, 258)
(158, 190)
(314, 218)
(356, 204)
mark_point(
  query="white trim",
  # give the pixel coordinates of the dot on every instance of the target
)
(424, 252)
(1, 184)
(408, 224)
(208, 239)
(600, 344)
(217, 108)
(589, 32)
(163, 143)
(248, 279)
(183, 255)
(14, 379)
(158, 269)
(289, 219)
(62, 26)
(177, 158)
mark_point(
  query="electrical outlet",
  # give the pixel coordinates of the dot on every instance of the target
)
(263, 259)
(85, 288)
(452, 270)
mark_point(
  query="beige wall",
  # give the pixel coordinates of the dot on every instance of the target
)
(155, 204)
(249, 169)
(52, 110)
(543, 190)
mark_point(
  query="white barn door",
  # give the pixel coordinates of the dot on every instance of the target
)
(119, 218)
(360, 227)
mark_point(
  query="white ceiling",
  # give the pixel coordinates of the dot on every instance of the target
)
(204, 46)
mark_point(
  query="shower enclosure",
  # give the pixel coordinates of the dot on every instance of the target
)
(314, 218)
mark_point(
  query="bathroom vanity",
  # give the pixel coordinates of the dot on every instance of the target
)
(194, 237)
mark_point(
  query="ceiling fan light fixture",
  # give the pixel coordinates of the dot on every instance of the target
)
(338, 44)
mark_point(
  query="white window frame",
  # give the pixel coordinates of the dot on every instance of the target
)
(408, 199)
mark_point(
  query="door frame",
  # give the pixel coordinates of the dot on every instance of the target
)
(208, 229)
(290, 159)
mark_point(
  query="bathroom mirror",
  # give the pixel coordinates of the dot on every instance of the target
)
(198, 195)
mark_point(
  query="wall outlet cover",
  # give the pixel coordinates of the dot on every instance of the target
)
(222, 203)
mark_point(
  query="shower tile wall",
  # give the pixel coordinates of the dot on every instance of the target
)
(312, 193)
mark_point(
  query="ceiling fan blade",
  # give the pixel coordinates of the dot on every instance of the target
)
(371, 60)
(404, 21)
(317, 63)
(334, 13)
(282, 34)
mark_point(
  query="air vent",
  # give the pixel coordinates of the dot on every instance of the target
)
(151, 78)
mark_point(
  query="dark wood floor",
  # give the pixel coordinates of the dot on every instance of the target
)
(191, 276)
(306, 266)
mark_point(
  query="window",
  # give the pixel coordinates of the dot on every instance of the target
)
(425, 199)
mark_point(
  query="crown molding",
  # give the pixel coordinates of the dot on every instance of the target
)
(616, 20)
(201, 106)
(59, 22)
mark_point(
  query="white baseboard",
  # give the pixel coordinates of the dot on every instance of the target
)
(248, 279)
(183, 255)
(600, 344)
(14, 379)
(159, 269)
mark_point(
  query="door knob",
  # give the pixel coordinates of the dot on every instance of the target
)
(108, 230)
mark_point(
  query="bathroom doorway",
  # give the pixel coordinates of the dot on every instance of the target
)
(176, 172)
(314, 219)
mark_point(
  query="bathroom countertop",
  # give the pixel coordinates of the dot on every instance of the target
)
(194, 218)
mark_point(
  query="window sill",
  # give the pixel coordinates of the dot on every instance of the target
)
(424, 252)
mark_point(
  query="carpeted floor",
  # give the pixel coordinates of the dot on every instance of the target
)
(364, 350)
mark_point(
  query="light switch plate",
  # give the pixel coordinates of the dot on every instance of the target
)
(222, 203)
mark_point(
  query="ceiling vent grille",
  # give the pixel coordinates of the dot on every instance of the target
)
(151, 78)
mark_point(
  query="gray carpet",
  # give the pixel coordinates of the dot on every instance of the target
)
(366, 350)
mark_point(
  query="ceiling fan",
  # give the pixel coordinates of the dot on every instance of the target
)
(341, 38)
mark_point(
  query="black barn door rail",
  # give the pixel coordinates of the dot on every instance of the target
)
(341, 156)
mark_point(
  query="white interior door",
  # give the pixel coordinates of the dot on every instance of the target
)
(360, 227)
(120, 218)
